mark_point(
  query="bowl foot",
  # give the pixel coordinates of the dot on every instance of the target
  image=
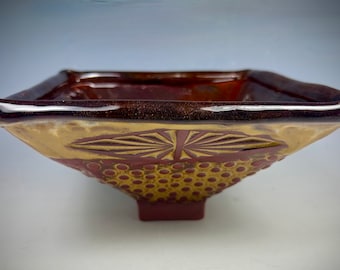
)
(170, 211)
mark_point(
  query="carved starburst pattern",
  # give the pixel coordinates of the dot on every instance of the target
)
(168, 144)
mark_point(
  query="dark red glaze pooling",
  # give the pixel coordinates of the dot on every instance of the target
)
(150, 86)
(173, 180)
(177, 96)
(240, 86)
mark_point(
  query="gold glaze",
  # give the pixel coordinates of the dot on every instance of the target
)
(171, 144)
(53, 138)
(173, 179)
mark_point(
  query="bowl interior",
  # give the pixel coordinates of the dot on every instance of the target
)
(186, 86)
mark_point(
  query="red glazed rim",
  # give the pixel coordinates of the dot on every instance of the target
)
(284, 99)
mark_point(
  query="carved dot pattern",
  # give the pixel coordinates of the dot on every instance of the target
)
(177, 182)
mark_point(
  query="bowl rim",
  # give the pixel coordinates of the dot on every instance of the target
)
(18, 106)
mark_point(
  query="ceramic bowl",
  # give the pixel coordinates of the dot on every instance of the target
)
(170, 140)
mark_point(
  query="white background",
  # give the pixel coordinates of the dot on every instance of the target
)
(52, 217)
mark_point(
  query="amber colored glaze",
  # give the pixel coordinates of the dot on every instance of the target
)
(239, 86)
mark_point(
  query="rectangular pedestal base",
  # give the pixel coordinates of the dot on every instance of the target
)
(171, 211)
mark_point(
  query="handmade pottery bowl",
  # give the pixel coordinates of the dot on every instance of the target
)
(170, 139)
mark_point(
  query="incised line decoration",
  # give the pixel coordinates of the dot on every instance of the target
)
(169, 144)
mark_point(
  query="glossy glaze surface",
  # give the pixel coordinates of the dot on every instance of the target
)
(233, 96)
(238, 86)
(170, 139)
